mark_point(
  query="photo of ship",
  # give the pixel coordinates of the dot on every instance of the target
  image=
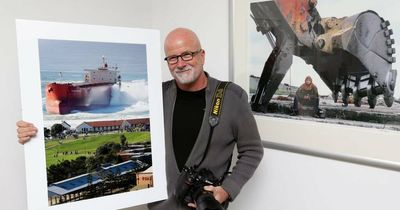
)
(94, 92)
(92, 81)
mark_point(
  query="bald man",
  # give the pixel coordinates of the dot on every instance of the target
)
(187, 100)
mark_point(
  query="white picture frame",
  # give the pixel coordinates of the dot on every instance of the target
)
(29, 32)
(336, 138)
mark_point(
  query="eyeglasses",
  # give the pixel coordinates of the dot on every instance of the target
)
(186, 56)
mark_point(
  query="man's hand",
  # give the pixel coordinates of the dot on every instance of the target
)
(219, 194)
(25, 131)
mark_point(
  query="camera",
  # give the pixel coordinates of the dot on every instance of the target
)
(189, 188)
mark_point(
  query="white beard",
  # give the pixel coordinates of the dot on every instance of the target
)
(186, 75)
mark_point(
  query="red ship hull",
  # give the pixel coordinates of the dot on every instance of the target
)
(63, 98)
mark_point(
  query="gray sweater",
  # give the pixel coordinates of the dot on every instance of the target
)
(236, 127)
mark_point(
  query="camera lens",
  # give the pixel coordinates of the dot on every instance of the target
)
(206, 201)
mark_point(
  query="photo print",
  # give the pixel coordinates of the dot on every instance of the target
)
(325, 61)
(96, 95)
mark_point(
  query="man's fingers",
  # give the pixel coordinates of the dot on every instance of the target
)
(220, 198)
(23, 140)
(209, 188)
(192, 205)
(23, 124)
(26, 134)
(27, 130)
(219, 193)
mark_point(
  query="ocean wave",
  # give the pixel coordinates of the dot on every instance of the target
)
(129, 93)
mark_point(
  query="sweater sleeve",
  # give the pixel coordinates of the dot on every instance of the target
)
(249, 147)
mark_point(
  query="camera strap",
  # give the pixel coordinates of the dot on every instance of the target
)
(215, 113)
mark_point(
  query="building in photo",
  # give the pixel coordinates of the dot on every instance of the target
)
(145, 178)
(141, 124)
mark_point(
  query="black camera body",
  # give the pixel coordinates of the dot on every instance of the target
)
(189, 188)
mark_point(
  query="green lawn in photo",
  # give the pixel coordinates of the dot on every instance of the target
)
(86, 146)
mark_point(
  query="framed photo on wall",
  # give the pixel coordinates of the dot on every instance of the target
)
(348, 52)
(94, 92)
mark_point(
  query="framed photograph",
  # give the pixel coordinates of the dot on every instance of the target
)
(94, 92)
(344, 50)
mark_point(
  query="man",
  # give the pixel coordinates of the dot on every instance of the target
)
(306, 98)
(187, 102)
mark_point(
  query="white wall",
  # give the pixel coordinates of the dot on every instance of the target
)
(207, 17)
(289, 181)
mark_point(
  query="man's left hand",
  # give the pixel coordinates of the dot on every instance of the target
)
(219, 194)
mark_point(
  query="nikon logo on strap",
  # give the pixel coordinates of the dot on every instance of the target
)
(218, 99)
